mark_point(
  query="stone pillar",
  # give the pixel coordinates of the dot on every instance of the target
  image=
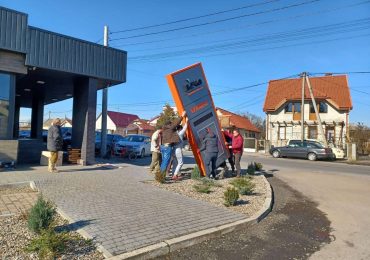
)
(84, 118)
(37, 116)
(17, 110)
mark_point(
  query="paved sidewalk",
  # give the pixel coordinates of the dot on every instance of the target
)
(120, 211)
(16, 203)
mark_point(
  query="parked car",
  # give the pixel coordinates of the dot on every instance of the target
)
(139, 144)
(307, 149)
(112, 140)
(24, 134)
(338, 153)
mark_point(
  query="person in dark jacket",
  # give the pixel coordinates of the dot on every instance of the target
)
(230, 159)
(54, 144)
(169, 139)
(210, 148)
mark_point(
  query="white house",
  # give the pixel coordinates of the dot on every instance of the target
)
(283, 110)
(117, 122)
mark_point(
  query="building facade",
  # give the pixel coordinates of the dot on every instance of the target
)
(39, 67)
(283, 110)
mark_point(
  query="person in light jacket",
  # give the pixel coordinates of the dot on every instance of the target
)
(210, 148)
(178, 151)
(54, 144)
(155, 149)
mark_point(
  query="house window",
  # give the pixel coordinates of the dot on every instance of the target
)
(312, 132)
(282, 132)
(288, 107)
(323, 107)
(297, 107)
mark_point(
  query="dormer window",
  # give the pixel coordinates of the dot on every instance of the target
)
(322, 107)
(288, 107)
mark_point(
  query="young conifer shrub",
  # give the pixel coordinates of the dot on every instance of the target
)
(231, 196)
(41, 215)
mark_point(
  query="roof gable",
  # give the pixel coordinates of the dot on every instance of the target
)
(239, 121)
(121, 119)
(333, 88)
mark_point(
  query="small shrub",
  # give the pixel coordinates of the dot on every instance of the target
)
(202, 188)
(258, 166)
(41, 215)
(244, 185)
(159, 176)
(48, 245)
(210, 182)
(195, 173)
(231, 196)
(251, 169)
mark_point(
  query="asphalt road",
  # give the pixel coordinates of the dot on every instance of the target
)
(341, 191)
(295, 229)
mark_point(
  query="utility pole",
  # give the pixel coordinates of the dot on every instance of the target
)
(103, 148)
(303, 75)
(316, 112)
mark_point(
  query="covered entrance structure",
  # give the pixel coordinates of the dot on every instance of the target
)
(39, 67)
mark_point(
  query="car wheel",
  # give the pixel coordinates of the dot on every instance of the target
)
(142, 154)
(312, 156)
(276, 154)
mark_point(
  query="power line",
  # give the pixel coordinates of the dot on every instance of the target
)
(249, 25)
(350, 26)
(193, 18)
(217, 21)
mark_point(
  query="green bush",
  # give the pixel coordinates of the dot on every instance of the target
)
(195, 173)
(41, 215)
(48, 245)
(244, 185)
(210, 182)
(202, 188)
(231, 196)
(258, 166)
(251, 169)
(159, 176)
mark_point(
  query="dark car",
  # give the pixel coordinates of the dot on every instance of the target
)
(112, 139)
(306, 149)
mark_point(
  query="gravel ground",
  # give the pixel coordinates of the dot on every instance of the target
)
(295, 229)
(15, 236)
(246, 204)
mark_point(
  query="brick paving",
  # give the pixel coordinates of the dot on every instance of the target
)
(118, 209)
(17, 203)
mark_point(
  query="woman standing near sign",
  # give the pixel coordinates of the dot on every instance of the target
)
(237, 148)
(178, 150)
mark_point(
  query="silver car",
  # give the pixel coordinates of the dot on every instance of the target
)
(139, 144)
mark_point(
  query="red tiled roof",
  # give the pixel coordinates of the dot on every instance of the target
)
(334, 89)
(121, 119)
(142, 124)
(239, 121)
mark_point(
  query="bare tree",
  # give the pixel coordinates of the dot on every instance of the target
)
(360, 135)
(258, 121)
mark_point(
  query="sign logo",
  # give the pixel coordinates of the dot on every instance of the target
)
(191, 86)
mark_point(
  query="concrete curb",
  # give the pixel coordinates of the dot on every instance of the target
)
(174, 244)
(31, 184)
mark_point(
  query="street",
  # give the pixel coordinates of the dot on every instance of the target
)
(333, 192)
(342, 193)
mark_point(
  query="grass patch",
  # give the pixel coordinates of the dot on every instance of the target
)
(49, 244)
(195, 173)
(201, 188)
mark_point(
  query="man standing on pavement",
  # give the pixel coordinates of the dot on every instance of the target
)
(237, 148)
(169, 139)
(54, 144)
(155, 146)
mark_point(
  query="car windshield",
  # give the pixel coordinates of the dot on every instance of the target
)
(134, 138)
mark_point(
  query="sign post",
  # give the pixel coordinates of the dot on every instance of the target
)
(191, 93)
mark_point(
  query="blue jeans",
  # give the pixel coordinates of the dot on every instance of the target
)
(166, 157)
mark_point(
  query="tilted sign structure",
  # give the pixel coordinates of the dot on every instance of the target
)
(191, 93)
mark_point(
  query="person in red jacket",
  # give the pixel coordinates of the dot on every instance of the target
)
(237, 148)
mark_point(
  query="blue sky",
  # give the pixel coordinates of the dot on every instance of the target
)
(256, 48)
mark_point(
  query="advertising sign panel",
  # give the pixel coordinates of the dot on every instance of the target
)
(191, 93)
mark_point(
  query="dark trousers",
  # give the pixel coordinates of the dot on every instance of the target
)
(230, 160)
(210, 162)
(237, 157)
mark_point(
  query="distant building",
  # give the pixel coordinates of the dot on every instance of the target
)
(140, 126)
(283, 109)
(230, 121)
(117, 122)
